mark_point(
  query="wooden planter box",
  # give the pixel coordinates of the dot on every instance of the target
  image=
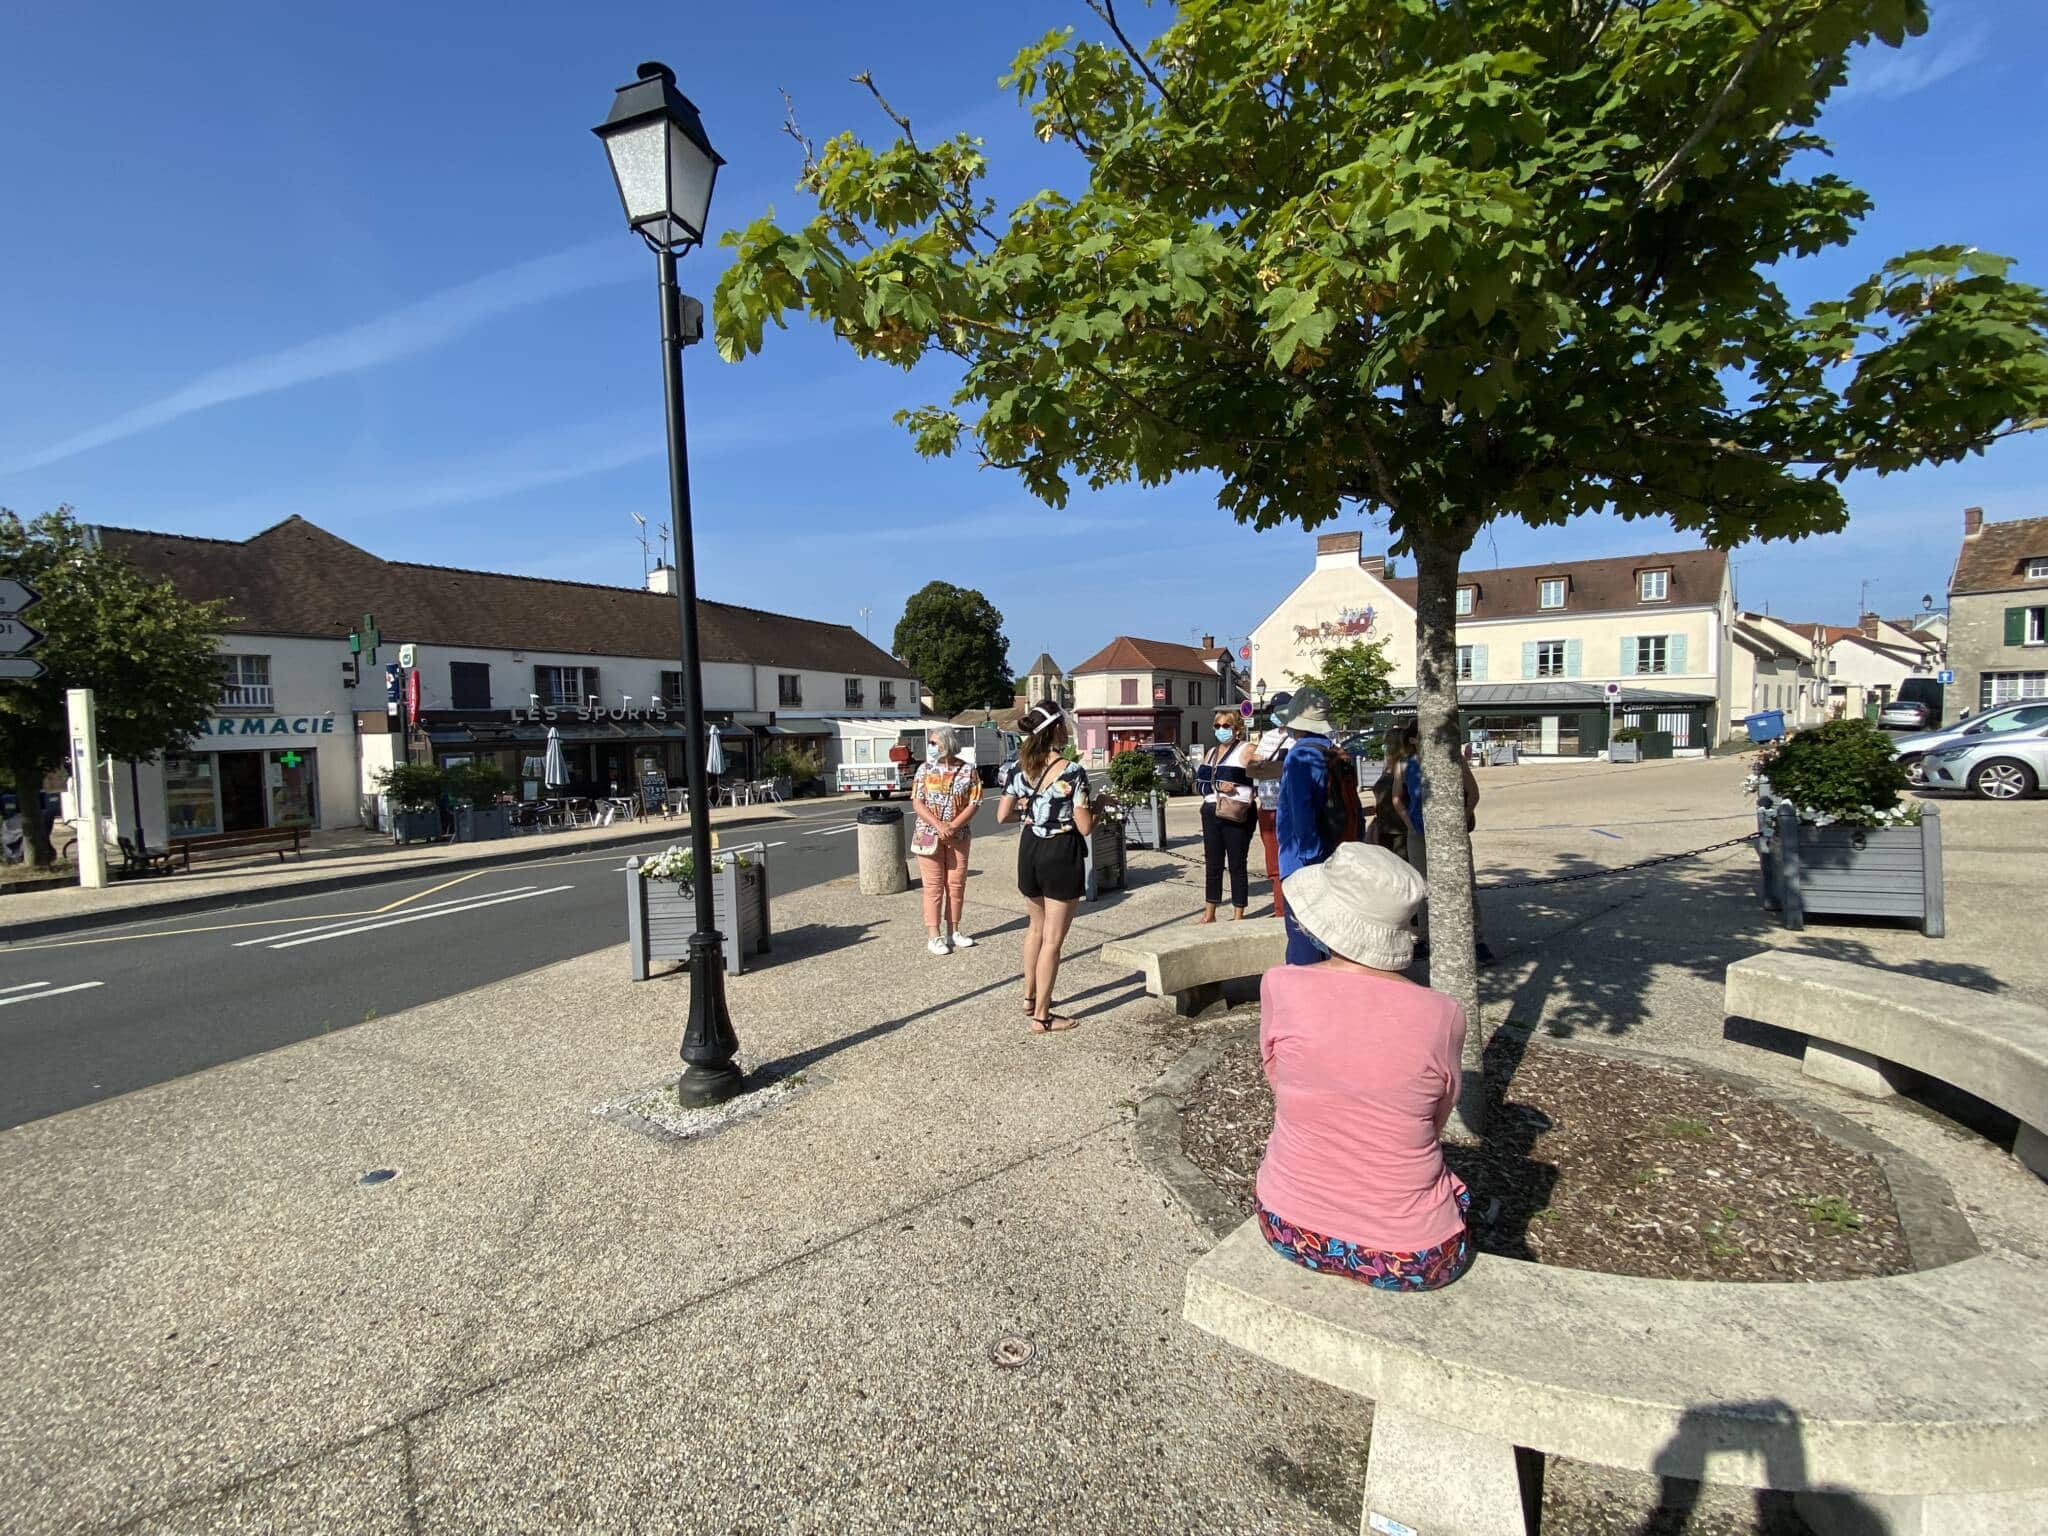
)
(661, 916)
(1145, 826)
(1625, 752)
(1105, 858)
(415, 826)
(481, 823)
(1851, 871)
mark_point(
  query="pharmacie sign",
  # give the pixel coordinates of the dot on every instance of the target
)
(655, 711)
(222, 726)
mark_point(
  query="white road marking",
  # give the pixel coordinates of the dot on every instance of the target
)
(417, 917)
(48, 991)
(843, 826)
(26, 986)
(775, 845)
(350, 922)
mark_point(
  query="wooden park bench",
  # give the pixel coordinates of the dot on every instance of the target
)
(138, 858)
(1867, 1030)
(231, 845)
(1185, 967)
(1912, 1404)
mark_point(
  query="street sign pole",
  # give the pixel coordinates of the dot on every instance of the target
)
(85, 788)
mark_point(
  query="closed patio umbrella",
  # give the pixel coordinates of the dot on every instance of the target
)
(714, 757)
(555, 770)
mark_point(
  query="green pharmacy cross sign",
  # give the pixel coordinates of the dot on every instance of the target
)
(290, 759)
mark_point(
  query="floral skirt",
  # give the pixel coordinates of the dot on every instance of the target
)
(1424, 1271)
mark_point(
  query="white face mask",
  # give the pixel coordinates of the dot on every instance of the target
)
(931, 751)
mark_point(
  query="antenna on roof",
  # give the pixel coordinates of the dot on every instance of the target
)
(865, 610)
(645, 558)
(663, 533)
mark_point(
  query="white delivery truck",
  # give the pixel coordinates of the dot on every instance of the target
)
(867, 760)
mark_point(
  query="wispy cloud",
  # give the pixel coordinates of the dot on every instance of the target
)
(1879, 73)
(417, 327)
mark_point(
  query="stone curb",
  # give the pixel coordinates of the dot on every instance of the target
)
(1156, 1137)
(108, 917)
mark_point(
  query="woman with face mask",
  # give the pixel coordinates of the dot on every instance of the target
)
(1229, 814)
(943, 799)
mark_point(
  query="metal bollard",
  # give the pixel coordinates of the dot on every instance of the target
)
(884, 857)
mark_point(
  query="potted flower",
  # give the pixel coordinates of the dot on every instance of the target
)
(661, 905)
(1626, 745)
(1834, 835)
(413, 791)
(1134, 782)
(479, 814)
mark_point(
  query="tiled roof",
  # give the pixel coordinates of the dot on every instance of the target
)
(1127, 653)
(1758, 638)
(1045, 666)
(295, 578)
(1994, 559)
(1594, 586)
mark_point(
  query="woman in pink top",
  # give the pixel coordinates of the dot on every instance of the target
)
(1364, 1068)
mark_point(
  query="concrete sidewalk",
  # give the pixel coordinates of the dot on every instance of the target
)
(363, 859)
(547, 1321)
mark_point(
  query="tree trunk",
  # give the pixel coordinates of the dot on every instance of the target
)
(28, 794)
(1453, 960)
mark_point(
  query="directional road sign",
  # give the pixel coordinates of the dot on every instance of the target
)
(16, 638)
(14, 597)
(1945, 677)
(16, 669)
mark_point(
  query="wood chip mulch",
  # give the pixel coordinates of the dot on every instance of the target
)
(1619, 1166)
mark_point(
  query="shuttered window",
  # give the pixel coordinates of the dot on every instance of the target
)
(469, 685)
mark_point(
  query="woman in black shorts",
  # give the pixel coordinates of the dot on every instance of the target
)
(1050, 795)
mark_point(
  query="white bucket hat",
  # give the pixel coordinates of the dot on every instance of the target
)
(1304, 711)
(1358, 903)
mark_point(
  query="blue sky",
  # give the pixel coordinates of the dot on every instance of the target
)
(366, 264)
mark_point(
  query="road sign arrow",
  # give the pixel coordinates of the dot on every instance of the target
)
(15, 636)
(14, 597)
(16, 669)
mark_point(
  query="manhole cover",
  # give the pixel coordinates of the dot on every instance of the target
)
(378, 1176)
(1011, 1352)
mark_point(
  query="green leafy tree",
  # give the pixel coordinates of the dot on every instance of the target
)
(1448, 263)
(147, 653)
(952, 639)
(1356, 681)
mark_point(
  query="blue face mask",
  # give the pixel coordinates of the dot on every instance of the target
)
(1223, 733)
(931, 751)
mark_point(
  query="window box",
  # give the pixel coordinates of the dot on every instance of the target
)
(661, 915)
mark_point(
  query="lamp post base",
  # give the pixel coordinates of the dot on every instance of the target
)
(710, 1075)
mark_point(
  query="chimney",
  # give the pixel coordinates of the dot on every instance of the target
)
(662, 579)
(1339, 543)
(1208, 642)
(1375, 565)
(1973, 522)
(1868, 624)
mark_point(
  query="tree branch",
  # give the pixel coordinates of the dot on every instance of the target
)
(1669, 172)
(866, 78)
(1106, 9)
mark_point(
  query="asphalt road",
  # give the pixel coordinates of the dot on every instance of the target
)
(88, 1016)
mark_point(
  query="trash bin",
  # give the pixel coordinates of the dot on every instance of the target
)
(884, 859)
(1765, 725)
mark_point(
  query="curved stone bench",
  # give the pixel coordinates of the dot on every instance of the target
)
(1862, 1025)
(1917, 1403)
(1186, 967)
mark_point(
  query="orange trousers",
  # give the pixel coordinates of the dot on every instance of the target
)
(944, 878)
(1269, 835)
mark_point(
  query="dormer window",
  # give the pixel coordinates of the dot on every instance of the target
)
(1465, 596)
(1550, 592)
(1654, 586)
(2037, 568)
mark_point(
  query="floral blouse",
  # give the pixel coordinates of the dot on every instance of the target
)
(946, 792)
(1049, 811)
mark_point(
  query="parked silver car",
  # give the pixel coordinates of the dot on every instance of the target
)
(1913, 749)
(2007, 765)
(1903, 715)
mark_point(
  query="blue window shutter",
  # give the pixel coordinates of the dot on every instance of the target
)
(1674, 653)
(1573, 651)
(1528, 658)
(1628, 655)
(1478, 663)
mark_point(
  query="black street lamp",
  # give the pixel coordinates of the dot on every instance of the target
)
(665, 168)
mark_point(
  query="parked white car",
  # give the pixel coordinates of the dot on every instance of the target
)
(1913, 749)
(2009, 765)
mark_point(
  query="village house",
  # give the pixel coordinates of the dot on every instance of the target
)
(1135, 691)
(1538, 645)
(1998, 614)
(305, 724)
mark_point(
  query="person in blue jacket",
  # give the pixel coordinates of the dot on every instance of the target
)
(1309, 777)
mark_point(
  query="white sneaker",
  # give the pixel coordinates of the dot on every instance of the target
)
(961, 941)
(939, 947)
